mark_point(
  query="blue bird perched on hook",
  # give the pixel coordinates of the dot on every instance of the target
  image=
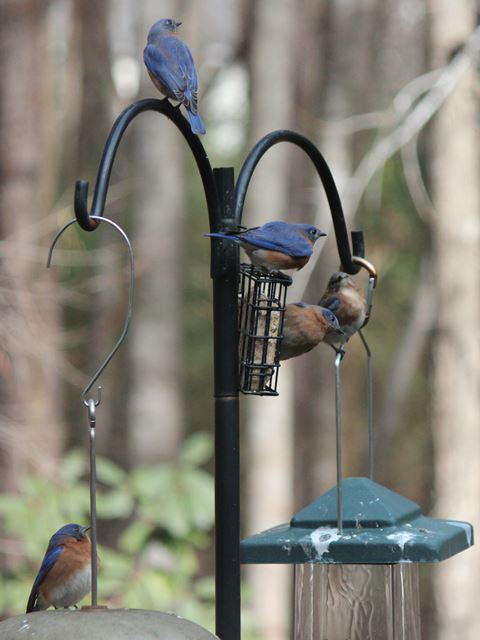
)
(276, 245)
(170, 65)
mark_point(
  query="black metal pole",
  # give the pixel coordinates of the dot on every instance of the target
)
(225, 273)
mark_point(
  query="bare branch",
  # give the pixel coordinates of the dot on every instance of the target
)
(440, 84)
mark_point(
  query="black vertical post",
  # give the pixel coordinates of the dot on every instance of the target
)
(225, 274)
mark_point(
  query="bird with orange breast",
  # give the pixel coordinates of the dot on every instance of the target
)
(65, 576)
(276, 245)
(347, 302)
(305, 326)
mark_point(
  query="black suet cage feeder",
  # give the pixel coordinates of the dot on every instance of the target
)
(261, 311)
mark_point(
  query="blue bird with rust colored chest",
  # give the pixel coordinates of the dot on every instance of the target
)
(171, 67)
(65, 576)
(305, 326)
(347, 302)
(276, 245)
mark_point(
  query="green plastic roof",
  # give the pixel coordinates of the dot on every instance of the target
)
(379, 527)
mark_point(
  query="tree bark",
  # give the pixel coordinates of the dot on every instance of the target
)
(30, 425)
(269, 428)
(456, 234)
(156, 421)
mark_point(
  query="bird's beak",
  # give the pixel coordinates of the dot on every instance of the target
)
(177, 24)
(337, 330)
(321, 234)
(85, 529)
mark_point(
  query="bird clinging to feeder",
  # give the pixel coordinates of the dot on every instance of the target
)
(347, 302)
(305, 326)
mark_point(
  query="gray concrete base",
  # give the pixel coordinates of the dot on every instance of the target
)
(101, 624)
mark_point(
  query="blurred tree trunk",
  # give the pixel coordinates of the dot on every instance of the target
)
(322, 94)
(457, 345)
(89, 100)
(30, 426)
(269, 430)
(156, 420)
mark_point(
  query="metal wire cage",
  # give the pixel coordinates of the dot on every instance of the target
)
(261, 301)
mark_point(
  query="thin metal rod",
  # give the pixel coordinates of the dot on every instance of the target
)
(371, 435)
(338, 433)
(128, 315)
(93, 498)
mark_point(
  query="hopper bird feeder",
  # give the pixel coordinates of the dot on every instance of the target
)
(356, 550)
(360, 582)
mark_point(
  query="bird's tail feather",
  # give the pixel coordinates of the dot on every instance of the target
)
(196, 123)
(224, 236)
(32, 601)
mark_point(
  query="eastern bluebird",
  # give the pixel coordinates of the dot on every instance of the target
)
(347, 302)
(65, 576)
(276, 245)
(170, 65)
(305, 326)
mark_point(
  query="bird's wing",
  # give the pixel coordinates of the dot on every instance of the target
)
(284, 240)
(330, 302)
(172, 64)
(49, 560)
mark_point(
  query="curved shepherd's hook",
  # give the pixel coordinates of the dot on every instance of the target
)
(285, 135)
(86, 219)
(128, 316)
(90, 403)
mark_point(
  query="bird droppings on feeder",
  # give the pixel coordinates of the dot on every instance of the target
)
(322, 538)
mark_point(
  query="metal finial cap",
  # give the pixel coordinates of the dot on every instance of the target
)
(379, 527)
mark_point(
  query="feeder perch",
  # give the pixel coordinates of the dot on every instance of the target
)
(261, 300)
(361, 583)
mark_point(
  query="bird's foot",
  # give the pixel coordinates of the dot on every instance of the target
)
(340, 351)
(283, 276)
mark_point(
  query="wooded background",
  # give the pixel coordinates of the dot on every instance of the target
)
(389, 91)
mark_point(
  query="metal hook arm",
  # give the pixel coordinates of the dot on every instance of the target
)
(128, 316)
(338, 218)
(87, 220)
